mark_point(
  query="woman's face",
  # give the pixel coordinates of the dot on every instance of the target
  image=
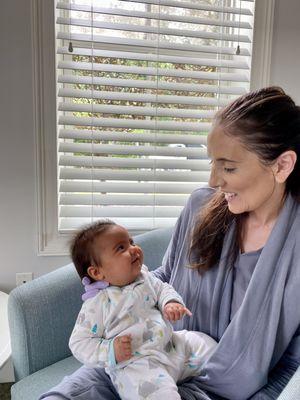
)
(248, 185)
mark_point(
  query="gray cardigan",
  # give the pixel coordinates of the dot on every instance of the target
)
(261, 344)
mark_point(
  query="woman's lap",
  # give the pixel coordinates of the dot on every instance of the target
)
(95, 384)
(84, 384)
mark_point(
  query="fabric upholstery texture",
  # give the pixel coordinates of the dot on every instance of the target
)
(33, 385)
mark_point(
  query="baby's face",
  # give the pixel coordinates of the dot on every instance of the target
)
(121, 260)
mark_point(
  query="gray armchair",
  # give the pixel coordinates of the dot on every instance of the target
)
(41, 317)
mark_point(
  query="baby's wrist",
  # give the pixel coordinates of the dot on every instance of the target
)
(112, 360)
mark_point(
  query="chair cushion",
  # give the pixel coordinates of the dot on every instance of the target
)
(34, 385)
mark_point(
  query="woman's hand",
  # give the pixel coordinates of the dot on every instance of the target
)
(122, 348)
(175, 311)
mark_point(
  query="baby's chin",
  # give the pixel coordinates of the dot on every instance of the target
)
(133, 279)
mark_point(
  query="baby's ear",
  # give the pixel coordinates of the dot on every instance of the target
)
(95, 273)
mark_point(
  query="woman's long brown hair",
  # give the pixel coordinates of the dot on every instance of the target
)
(267, 123)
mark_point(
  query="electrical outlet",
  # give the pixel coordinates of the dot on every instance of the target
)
(23, 277)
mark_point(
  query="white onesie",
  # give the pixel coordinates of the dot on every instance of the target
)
(160, 356)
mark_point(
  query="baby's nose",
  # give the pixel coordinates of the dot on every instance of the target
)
(134, 251)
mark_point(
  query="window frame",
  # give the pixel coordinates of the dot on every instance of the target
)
(50, 241)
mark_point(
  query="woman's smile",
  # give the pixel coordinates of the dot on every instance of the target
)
(229, 196)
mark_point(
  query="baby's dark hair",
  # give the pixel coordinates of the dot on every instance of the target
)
(82, 246)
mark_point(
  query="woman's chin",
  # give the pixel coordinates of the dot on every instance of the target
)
(235, 209)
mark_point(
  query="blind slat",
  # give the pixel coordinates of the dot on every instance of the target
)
(135, 124)
(128, 187)
(153, 15)
(133, 175)
(147, 98)
(121, 110)
(160, 58)
(150, 84)
(152, 29)
(97, 39)
(149, 71)
(155, 162)
(195, 6)
(124, 200)
(117, 212)
(121, 136)
(133, 224)
(199, 152)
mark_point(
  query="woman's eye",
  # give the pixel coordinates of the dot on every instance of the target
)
(229, 170)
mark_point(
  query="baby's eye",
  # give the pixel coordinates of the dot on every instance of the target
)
(121, 247)
(131, 241)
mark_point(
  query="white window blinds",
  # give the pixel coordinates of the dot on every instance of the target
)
(138, 83)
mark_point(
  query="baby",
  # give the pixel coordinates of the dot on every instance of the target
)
(125, 327)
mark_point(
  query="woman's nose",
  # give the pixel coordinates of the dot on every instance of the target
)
(214, 179)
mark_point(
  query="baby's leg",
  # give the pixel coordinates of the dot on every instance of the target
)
(197, 348)
(145, 378)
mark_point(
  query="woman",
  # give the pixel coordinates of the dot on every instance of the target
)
(234, 257)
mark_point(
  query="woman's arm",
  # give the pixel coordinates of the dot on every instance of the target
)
(182, 232)
(164, 272)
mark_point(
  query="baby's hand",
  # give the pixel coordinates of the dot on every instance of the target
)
(175, 311)
(122, 348)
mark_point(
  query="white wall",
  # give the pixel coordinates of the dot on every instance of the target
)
(285, 70)
(18, 232)
(18, 227)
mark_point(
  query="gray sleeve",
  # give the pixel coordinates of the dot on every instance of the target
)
(181, 237)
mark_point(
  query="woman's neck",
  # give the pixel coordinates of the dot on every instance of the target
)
(257, 226)
(267, 214)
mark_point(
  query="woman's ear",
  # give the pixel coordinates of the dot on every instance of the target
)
(95, 272)
(285, 164)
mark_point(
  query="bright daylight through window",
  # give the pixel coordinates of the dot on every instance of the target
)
(138, 83)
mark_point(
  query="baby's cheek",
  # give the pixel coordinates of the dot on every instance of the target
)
(141, 254)
(142, 257)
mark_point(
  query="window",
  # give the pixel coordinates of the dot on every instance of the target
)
(138, 83)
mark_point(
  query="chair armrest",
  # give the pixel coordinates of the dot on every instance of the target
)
(42, 313)
(41, 317)
(292, 389)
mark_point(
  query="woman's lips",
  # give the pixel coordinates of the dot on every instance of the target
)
(229, 196)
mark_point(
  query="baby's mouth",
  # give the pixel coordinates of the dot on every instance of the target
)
(135, 260)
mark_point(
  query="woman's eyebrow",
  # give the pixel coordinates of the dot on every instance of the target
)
(223, 159)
